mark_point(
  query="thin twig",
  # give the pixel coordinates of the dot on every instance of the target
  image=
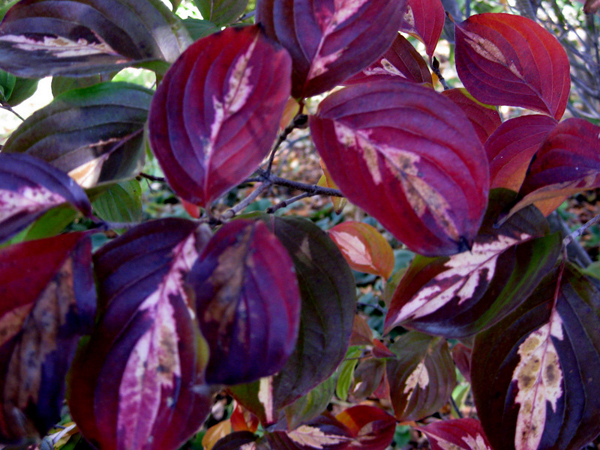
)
(435, 65)
(152, 177)
(455, 406)
(299, 121)
(288, 202)
(7, 107)
(313, 189)
(582, 229)
(231, 213)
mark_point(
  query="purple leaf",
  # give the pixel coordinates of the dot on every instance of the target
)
(216, 113)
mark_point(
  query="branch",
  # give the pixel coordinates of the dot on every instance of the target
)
(582, 229)
(435, 65)
(287, 202)
(299, 121)
(152, 177)
(312, 189)
(231, 213)
(7, 107)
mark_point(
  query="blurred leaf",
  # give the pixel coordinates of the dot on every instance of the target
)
(371, 427)
(215, 433)
(221, 12)
(7, 84)
(310, 405)
(459, 434)
(199, 28)
(346, 372)
(61, 85)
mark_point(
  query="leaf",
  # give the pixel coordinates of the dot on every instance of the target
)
(422, 376)
(461, 295)
(243, 420)
(368, 376)
(484, 118)
(248, 303)
(221, 12)
(121, 202)
(325, 433)
(400, 60)
(215, 433)
(138, 382)
(461, 354)
(326, 181)
(424, 19)
(235, 441)
(28, 188)
(459, 434)
(567, 162)
(7, 84)
(48, 303)
(330, 41)
(410, 158)
(346, 373)
(310, 405)
(511, 148)
(536, 389)
(372, 427)
(23, 89)
(328, 293)
(503, 59)
(60, 85)
(216, 113)
(41, 37)
(95, 134)
(365, 249)
(199, 28)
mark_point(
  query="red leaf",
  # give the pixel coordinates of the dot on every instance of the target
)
(48, 302)
(461, 354)
(568, 162)
(409, 157)
(424, 19)
(138, 382)
(372, 427)
(248, 303)
(503, 59)
(324, 432)
(459, 434)
(401, 60)
(484, 118)
(216, 113)
(330, 41)
(365, 249)
(512, 146)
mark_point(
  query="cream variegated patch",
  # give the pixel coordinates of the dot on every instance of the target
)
(419, 378)
(390, 69)
(465, 271)
(60, 46)
(476, 443)
(490, 51)
(359, 141)
(353, 247)
(88, 174)
(409, 18)
(320, 63)
(154, 363)
(313, 437)
(28, 199)
(539, 379)
(265, 397)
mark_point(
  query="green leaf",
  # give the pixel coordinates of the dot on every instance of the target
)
(7, 84)
(346, 372)
(51, 223)
(23, 89)
(61, 85)
(221, 12)
(199, 28)
(310, 405)
(121, 202)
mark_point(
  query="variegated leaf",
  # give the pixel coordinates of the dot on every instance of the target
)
(216, 113)
(371, 427)
(424, 19)
(138, 383)
(540, 393)
(330, 40)
(409, 157)
(248, 303)
(29, 187)
(421, 377)
(48, 303)
(459, 434)
(460, 295)
(324, 433)
(44, 37)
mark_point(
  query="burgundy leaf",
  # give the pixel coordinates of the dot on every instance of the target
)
(48, 303)
(216, 113)
(459, 434)
(484, 118)
(401, 60)
(409, 157)
(512, 146)
(421, 377)
(568, 162)
(29, 187)
(330, 41)
(535, 390)
(372, 427)
(424, 19)
(138, 383)
(461, 354)
(461, 295)
(503, 59)
(235, 441)
(325, 432)
(248, 303)
(45, 37)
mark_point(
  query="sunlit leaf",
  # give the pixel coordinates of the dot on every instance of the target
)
(330, 41)
(459, 434)
(248, 303)
(221, 12)
(512, 146)
(424, 19)
(216, 113)
(138, 382)
(422, 376)
(535, 390)
(215, 433)
(365, 249)
(44, 37)
(400, 60)
(505, 59)
(28, 188)
(409, 157)
(48, 302)
(95, 134)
